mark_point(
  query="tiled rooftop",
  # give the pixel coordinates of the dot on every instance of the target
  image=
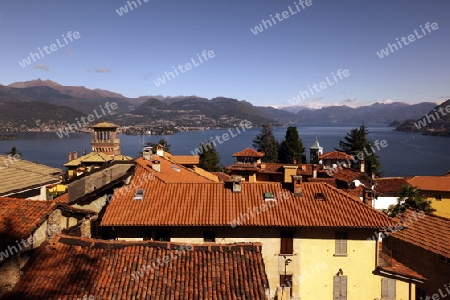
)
(389, 185)
(20, 217)
(431, 183)
(214, 204)
(429, 232)
(72, 268)
(18, 175)
(93, 157)
(248, 152)
(105, 125)
(392, 266)
(346, 174)
(336, 155)
(169, 171)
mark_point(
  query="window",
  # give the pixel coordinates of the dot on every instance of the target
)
(438, 197)
(209, 236)
(340, 288)
(287, 242)
(387, 289)
(162, 236)
(341, 244)
(286, 281)
(139, 195)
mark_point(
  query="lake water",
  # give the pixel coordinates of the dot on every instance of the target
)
(406, 154)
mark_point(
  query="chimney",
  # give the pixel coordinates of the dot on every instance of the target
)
(84, 152)
(147, 153)
(297, 182)
(69, 156)
(314, 171)
(289, 171)
(363, 166)
(237, 183)
(160, 150)
(75, 154)
(156, 165)
(368, 197)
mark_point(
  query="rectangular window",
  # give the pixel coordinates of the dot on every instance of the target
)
(162, 236)
(286, 281)
(341, 243)
(209, 236)
(287, 242)
(387, 289)
(438, 197)
(340, 288)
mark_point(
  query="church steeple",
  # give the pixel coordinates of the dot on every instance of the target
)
(314, 152)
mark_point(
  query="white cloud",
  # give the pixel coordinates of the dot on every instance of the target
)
(102, 70)
(41, 66)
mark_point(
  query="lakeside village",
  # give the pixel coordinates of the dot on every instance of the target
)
(279, 223)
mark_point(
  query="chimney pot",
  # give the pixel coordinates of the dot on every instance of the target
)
(69, 156)
(75, 154)
(363, 167)
(368, 197)
(297, 185)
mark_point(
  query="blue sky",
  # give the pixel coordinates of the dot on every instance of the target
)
(125, 54)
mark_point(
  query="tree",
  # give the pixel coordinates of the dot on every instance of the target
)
(14, 152)
(162, 142)
(266, 142)
(410, 197)
(209, 158)
(356, 143)
(291, 148)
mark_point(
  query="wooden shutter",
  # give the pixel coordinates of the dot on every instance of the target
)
(340, 288)
(287, 242)
(388, 289)
(341, 243)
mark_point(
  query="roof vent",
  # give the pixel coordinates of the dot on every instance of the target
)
(147, 153)
(139, 195)
(237, 185)
(156, 165)
(320, 196)
(269, 197)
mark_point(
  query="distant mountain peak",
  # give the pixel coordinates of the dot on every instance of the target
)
(34, 83)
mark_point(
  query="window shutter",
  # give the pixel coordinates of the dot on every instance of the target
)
(344, 284)
(388, 289)
(336, 288)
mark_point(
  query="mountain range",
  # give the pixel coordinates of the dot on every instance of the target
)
(52, 103)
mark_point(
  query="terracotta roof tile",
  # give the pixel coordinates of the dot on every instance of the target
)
(204, 204)
(346, 174)
(431, 183)
(183, 159)
(169, 171)
(389, 185)
(330, 181)
(336, 155)
(105, 125)
(392, 266)
(20, 217)
(248, 152)
(73, 268)
(429, 232)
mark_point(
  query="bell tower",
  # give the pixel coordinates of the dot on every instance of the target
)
(105, 139)
(314, 152)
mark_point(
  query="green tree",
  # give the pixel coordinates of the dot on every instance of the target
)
(266, 142)
(410, 197)
(14, 152)
(291, 148)
(163, 142)
(209, 158)
(357, 144)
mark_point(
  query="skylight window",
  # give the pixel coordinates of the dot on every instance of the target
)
(269, 196)
(176, 168)
(139, 195)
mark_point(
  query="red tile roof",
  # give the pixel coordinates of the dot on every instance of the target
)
(19, 218)
(248, 152)
(429, 232)
(346, 174)
(392, 267)
(330, 181)
(431, 183)
(73, 268)
(170, 171)
(389, 185)
(213, 204)
(336, 155)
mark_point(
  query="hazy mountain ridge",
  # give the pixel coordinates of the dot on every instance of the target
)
(437, 123)
(190, 111)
